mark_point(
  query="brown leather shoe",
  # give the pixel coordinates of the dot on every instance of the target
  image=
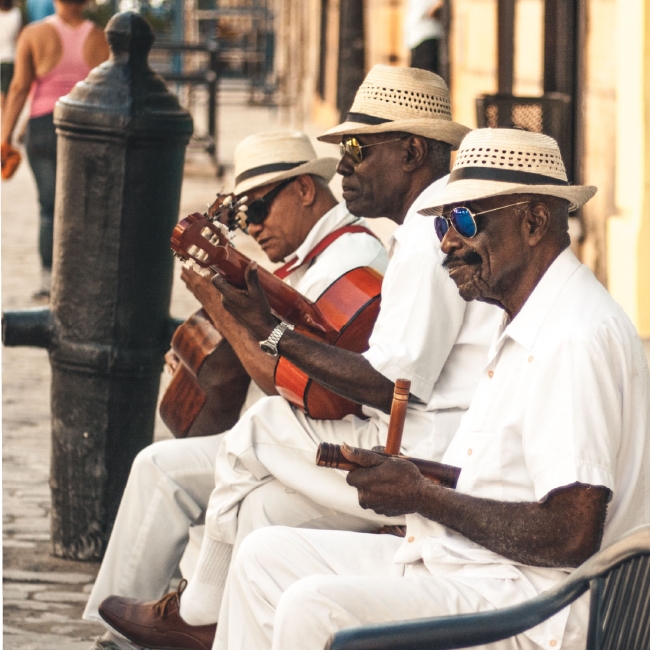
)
(156, 624)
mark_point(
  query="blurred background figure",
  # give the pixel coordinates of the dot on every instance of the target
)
(39, 9)
(10, 24)
(423, 30)
(52, 55)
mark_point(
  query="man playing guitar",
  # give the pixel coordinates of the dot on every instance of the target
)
(291, 210)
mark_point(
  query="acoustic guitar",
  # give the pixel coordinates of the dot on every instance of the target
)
(343, 315)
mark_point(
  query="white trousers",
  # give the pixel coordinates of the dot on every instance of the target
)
(291, 589)
(167, 492)
(274, 440)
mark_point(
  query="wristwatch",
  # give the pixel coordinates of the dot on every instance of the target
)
(270, 346)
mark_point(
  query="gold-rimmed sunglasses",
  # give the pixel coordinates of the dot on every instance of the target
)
(352, 147)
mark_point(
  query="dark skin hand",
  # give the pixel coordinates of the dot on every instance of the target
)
(343, 372)
(384, 184)
(563, 531)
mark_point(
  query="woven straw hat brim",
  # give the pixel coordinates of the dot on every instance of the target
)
(443, 130)
(472, 190)
(323, 167)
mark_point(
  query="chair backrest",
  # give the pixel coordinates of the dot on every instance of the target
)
(620, 607)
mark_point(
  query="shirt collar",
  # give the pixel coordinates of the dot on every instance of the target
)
(526, 324)
(427, 197)
(337, 217)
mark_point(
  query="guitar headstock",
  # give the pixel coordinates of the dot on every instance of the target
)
(228, 210)
(198, 239)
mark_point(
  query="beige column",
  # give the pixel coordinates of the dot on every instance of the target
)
(628, 240)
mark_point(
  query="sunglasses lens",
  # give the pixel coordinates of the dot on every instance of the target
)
(256, 212)
(463, 222)
(353, 148)
(441, 226)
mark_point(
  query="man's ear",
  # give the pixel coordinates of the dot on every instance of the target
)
(537, 219)
(307, 188)
(416, 152)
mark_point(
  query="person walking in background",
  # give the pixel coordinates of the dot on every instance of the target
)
(422, 33)
(10, 24)
(52, 55)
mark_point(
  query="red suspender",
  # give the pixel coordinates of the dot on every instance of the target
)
(286, 269)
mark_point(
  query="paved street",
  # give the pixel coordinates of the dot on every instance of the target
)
(44, 596)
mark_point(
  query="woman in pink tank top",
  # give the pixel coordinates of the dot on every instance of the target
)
(52, 55)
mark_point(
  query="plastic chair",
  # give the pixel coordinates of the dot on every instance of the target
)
(619, 619)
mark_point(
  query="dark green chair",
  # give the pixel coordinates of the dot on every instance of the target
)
(619, 579)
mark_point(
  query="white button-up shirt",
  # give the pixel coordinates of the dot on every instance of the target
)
(564, 398)
(426, 332)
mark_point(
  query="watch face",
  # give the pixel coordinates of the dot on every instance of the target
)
(268, 348)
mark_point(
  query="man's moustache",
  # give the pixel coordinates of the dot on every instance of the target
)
(471, 258)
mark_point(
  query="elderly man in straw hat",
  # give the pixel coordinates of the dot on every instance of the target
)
(291, 210)
(395, 158)
(554, 449)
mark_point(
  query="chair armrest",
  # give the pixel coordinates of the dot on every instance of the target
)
(459, 631)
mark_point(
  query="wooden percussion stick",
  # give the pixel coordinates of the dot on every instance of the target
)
(397, 416)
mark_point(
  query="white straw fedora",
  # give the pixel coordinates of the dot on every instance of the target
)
(401, 99)
(493, 162)
(268, 157)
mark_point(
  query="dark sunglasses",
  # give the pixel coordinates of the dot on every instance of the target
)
(258, 210)
(464, 220)
(352, 147)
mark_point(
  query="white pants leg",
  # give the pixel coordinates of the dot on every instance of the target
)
(168, 490)
(291, 589)
(274, 440)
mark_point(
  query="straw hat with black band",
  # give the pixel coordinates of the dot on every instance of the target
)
(406, 100)
(495, 162)
(265, 158)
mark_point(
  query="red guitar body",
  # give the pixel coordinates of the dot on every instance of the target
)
(343, 315)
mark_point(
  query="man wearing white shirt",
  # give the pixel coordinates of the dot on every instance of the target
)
(395, 157)
(553, 451)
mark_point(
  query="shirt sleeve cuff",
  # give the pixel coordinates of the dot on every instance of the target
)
(566, 474)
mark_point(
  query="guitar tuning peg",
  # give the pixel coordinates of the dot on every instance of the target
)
(227, 201)
(243, 208)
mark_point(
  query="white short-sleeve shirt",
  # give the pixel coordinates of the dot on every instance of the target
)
(425, 331)
(564, 398)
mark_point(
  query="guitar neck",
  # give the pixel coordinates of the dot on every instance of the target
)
(201, 240)
(285, 302)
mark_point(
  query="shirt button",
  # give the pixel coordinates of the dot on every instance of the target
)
(530, 360)
(469, 452)
(491, 374)
(553, 642)
(410, 539)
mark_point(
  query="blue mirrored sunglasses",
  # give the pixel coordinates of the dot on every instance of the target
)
(463, 220)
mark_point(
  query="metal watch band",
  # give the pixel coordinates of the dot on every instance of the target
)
(270, 345)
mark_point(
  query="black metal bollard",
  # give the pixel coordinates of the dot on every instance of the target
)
(121, 147)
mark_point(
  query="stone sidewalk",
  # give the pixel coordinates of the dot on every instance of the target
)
(44, 596)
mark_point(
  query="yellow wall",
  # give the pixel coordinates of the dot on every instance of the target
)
(629, 230)
(473, 55)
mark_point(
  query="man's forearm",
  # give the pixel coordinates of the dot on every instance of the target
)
(344, 372)
(561, 532)
(260, 366)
